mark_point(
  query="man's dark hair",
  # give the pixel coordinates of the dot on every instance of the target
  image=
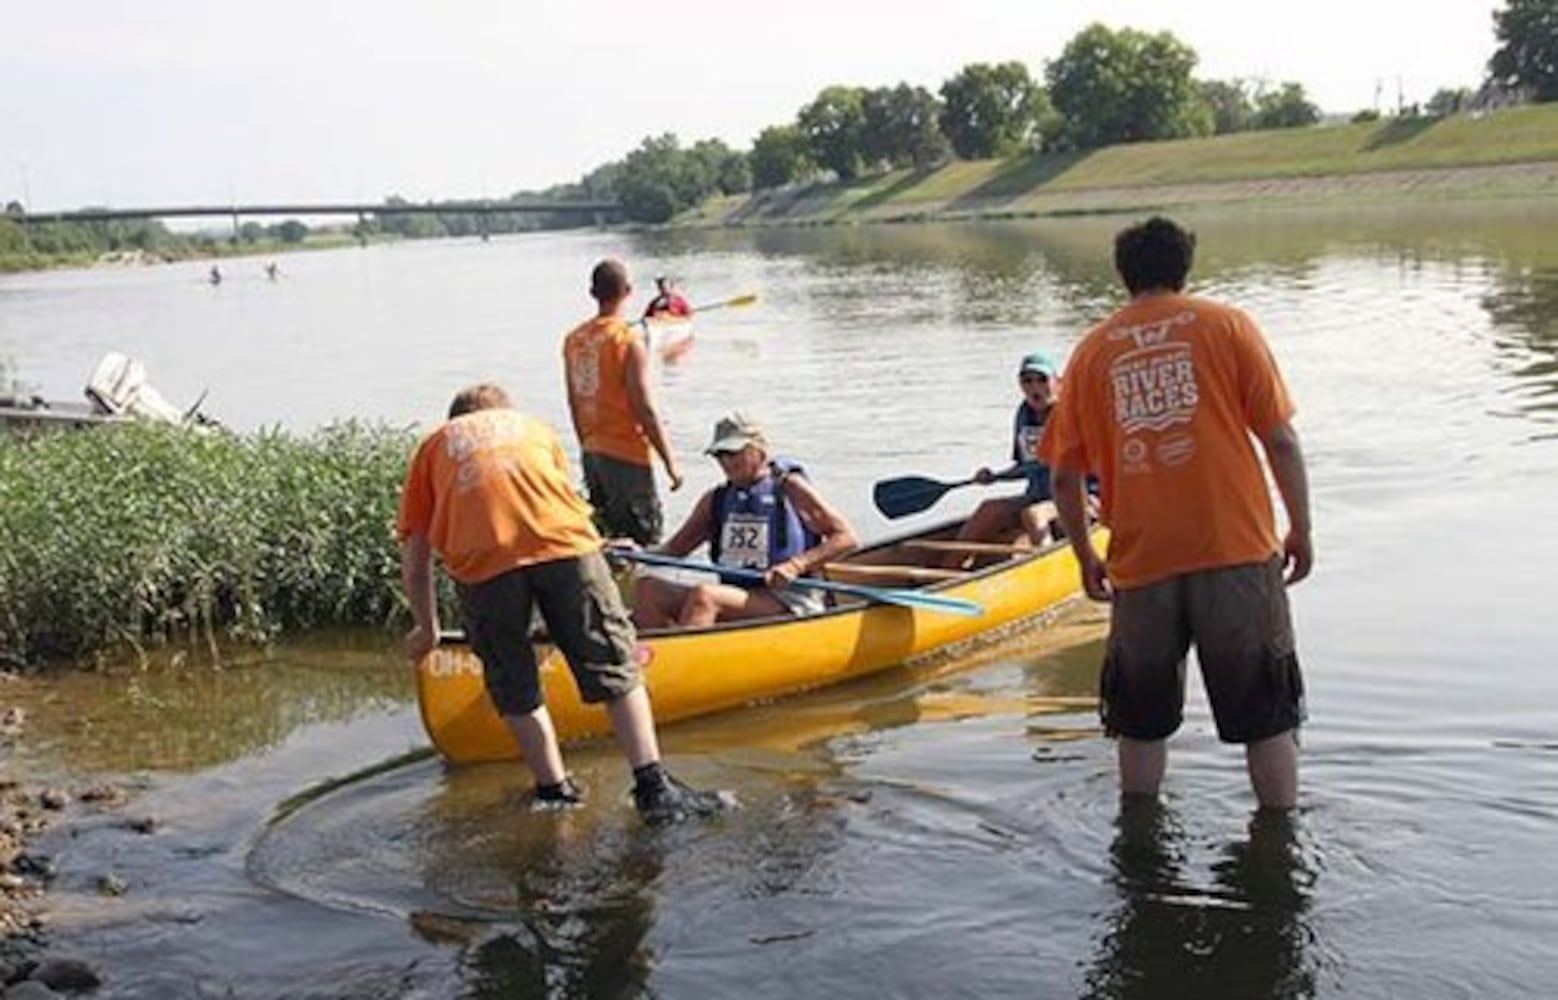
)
(1155, 254)
(478, 397)
(609, 281)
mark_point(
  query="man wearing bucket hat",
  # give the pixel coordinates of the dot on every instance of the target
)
(1031, 512)
(765, 516)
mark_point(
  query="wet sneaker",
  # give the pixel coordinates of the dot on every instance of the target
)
(563, 795)
(661, 798)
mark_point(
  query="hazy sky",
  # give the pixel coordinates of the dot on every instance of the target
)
(141, 102)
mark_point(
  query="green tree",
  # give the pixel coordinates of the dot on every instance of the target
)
(13, 237)
(1527, 56)
(292, 231)
(1286, 107)
(1230, 104)
(833, 126)
(779, 156)
(1448, 101)
(660, 179)
(902, 127)
(726, 169)
(1126, 86)
(991, 110)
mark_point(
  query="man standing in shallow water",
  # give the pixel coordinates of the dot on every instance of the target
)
(1161, 401)
(607, 369)
(490, 492)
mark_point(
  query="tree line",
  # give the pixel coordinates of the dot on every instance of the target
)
(1107, 86)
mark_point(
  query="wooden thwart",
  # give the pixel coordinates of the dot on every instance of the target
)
(991, 548)
(887, 574)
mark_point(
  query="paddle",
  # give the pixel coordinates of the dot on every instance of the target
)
(884, 595)
(910, 494)
(738, 301)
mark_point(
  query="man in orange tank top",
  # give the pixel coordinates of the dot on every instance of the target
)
(607, 369)
(1163, 399)
(490, 492)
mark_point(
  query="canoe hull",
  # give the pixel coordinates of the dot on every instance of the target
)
(669, 337)
(710, 670)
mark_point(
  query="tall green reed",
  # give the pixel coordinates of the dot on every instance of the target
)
(121, 537)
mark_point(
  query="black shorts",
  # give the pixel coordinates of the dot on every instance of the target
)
(583, 612)
(1237, 617)
(624, 498)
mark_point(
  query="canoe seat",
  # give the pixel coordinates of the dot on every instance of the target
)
(886, 575)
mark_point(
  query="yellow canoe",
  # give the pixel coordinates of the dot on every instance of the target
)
(699, 671)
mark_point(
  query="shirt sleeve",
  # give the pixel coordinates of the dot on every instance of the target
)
(416, 498)
(1262, 391)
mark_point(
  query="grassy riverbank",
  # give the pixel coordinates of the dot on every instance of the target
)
(31, 260)
(1513, 153)
(120, 538)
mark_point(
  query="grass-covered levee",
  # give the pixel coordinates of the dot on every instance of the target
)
(118, 539)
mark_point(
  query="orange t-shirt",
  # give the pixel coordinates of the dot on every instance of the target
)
(492, 492)
(1159, 402)
(595, 360)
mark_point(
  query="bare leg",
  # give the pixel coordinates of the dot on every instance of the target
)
(656, 602)
(1035, 521)
(1142, 763)
(708, 603)
(1273, 767)
(991, 521)
(537, 740)
(633, 724)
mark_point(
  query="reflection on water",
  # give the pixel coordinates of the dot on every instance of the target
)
(950, 828)
(1245, 934)
(174, 715)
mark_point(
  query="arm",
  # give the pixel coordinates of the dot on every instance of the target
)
(837, 537)
(573, 403)
(1287, 468)
(640, 399)
(1072, 508)
(694, 531)
(416, 577)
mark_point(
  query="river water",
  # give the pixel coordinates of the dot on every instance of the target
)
(950, 830)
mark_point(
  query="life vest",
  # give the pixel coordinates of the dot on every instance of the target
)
(754, 528)
(1027, 428)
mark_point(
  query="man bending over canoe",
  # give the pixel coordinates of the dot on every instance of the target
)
(490, 492)
(766, 516)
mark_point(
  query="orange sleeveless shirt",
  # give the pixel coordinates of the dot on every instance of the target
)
(595, 360)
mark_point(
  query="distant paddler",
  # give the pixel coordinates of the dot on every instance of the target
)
(667, 320)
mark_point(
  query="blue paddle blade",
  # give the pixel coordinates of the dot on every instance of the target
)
(909, 494)
(883, 595)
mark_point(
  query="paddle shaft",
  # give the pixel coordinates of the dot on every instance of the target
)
(885, 595)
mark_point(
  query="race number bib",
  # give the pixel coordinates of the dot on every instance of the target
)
(744, 542)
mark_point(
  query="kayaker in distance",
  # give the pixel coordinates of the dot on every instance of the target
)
(491, 493)
(766, 516)
(606, 364)
(668, 301)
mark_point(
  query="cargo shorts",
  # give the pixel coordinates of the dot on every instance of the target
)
(1238, 620)
(583, 612)
(623, 495)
